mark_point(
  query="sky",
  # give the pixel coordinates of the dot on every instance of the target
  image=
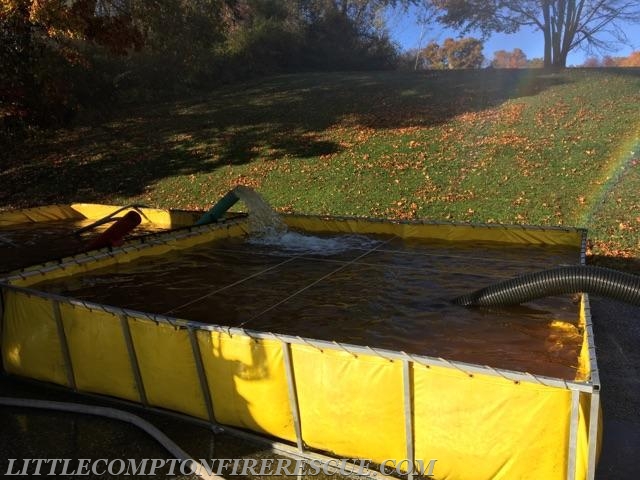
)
(405, 30)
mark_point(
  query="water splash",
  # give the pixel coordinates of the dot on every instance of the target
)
(299, 244)
(262, 218)
(268, 230)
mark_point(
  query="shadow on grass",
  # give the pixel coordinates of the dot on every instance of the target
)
(285, 117)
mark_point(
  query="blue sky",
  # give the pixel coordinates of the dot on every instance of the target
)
(405, 30)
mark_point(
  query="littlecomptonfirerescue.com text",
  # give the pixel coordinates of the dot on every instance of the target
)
(222, 467)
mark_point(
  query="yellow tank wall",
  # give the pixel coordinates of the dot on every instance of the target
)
(128, 253)
(437, 231)
(93, 211)
(350, 405)
(30, 342)
(477, 427)
(156, 216)
(168, 367)
(98, 352)
(39, 214)
(487, 427)
(247, 383)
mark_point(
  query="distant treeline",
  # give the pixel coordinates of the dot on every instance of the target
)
(633, 60)
(467, 53)
(60, 57)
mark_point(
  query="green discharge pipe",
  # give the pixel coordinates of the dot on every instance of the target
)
(218, 210)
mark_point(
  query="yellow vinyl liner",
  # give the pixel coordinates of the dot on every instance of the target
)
(453, 232)
(479, 423)
(91, 211)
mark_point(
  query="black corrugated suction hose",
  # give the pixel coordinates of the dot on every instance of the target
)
(557, 281)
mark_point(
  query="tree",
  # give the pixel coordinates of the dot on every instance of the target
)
(632, 60)
(42, 51)
(454, 54)
(591, 62)
(59, 24)
(609, 61)
(434, 57)
(514, 59)
(464, 53)
(366, 16)
(565, 24)
(537, 62)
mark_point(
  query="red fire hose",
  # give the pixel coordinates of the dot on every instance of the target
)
(114, 235)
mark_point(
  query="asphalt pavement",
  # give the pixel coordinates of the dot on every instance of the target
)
(617, 333)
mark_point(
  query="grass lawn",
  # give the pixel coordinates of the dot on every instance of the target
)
(521, 146)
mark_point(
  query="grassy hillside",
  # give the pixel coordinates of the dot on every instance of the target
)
(483, 146)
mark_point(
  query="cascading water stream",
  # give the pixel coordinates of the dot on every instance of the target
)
(263, 220)
(267, 229)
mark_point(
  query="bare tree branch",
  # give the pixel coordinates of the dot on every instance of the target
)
(566, 24)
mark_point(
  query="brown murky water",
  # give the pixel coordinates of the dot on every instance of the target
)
(376, 291)
(33, 243)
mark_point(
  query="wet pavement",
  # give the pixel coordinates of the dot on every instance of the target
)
(33, 434)
(41, 434)
(617, 335)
